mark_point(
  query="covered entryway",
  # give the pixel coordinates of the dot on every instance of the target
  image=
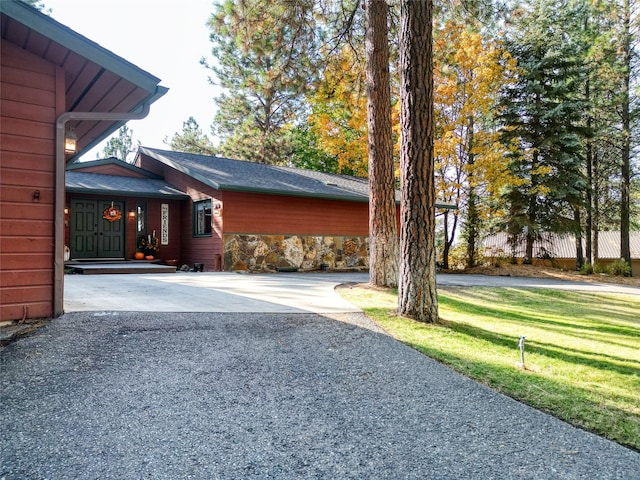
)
(95, 234)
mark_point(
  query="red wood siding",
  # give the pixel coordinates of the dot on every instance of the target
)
(30, 95)
(283, 215)
(206, 250)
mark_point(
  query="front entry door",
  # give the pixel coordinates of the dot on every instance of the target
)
(93, 236)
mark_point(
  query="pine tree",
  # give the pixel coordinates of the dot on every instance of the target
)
(542, 116)
(417, 295)
(191, 140)
(121, 145)
(263, 62)
(383, 233)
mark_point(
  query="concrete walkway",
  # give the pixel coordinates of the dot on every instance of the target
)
(210, 292)
(259, 293)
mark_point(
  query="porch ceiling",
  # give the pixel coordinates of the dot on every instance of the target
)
(96, 80)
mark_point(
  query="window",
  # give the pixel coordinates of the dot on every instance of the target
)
(202, 218)
(141, 218)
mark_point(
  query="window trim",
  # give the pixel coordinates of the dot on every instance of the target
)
(195, 231)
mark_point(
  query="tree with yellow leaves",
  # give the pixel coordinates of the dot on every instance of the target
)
(339, 112)
(468, 74)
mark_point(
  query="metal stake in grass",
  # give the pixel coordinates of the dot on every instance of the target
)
(521, 346)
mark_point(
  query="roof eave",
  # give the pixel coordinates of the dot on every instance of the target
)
(178, 167)
(286, 193)
(51, 28)
(112, 161)
(158, 93)
(126, 193)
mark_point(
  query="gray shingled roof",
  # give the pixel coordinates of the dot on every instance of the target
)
(562, 246)
(236, 175)
(84, 182)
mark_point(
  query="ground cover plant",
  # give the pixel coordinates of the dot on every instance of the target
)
(582, 350)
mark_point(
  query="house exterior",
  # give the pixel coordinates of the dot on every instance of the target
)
(226, 214)
(560, 250)
(139, 199)
(51, 80)
(223, 214)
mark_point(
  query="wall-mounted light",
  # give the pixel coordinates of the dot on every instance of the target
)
(132, 213)
(66, 210)
(70, 141)
(36, 195)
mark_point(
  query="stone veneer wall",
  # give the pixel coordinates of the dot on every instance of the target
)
(263, 253)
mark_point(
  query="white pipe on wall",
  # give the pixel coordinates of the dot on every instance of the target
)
(59, 202)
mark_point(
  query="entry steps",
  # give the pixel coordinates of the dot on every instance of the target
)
(116, 266)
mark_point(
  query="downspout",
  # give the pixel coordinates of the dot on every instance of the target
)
(61, 163)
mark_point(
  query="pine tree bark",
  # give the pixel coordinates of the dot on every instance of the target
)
(473, 218)
(417, 295)
(579, 251)
(383, 230)
(625, 200)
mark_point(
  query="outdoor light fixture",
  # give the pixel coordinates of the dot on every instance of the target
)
(70, 140)
(132, 213)
(66, 210)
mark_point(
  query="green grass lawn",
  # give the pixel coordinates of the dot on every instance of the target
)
(582, 350)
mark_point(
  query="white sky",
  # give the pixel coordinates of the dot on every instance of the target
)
(166, 38)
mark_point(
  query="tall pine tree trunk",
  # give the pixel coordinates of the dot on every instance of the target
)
(579, 251)
(417, 295)
(589, 199)
(625, 251)
(595, 232)
(473, 219)
(383, 231)
(446, 245)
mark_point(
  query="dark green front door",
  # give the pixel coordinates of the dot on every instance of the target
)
(93, 236)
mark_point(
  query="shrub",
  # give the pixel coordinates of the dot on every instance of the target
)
(458, 257)
(587, 269)
(619, 268)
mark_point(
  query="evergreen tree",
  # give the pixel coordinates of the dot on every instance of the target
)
(612, 117)
(417, 294)
(122, 145)
(308, 153)
(263, 51)
(191, 140)
(542, 115)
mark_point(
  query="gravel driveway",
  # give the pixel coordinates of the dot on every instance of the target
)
(121, 395)
(274, 377)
